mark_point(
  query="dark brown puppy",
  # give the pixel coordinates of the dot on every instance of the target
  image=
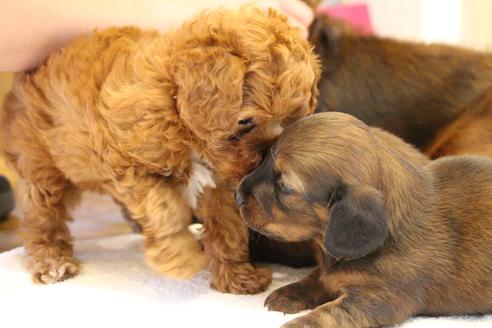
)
(437, 97)
(396, 237)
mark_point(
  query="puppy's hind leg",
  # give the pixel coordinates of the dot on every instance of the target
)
(44, 230)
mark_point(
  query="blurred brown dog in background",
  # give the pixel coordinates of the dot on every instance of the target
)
(436, 97)
(397, 235)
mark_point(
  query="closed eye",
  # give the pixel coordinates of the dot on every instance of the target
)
(250, 126)
(246, 121)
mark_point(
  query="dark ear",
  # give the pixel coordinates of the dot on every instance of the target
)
(325, 33)
(357, 224)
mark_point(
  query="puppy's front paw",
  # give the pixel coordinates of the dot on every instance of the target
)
(292, 298)
(49, 270)
(179, 256)
(240, 278)
(182, 266)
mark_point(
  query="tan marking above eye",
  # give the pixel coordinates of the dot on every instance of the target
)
(289, 232)
(292, 180)
(285, 187)
(289, 179)
(282, 166)
(277, 162)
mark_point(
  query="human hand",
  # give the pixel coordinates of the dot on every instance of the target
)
(299, 12)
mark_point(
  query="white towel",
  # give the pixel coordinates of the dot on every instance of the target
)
(116, 289)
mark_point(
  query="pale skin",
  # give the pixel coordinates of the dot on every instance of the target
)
(30, 30)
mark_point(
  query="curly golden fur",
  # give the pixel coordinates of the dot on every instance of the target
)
(397, 235)
(153, 119)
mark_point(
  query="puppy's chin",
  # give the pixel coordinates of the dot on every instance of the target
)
(261, 230)
(250, 219)
(283, 231)
(287, 232)
(279, 231)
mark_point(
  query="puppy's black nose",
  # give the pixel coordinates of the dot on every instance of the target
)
(239, 198)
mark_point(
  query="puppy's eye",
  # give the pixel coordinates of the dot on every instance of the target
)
(248, 126)
(284, 188)
(245, 121)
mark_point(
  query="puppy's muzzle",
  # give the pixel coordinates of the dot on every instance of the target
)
(244, 190)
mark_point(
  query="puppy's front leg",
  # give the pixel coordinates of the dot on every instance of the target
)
(164, 215)
(45, 233)
(302, 295)
(226, 243)
(360, 308)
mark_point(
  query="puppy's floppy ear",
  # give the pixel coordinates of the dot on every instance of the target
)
(357, 224)
(325, 34)
(209, 81)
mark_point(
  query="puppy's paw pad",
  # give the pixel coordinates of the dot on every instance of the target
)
(289, 299)
(242, 279)
(51, 270)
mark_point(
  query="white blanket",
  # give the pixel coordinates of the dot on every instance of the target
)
(116, 289)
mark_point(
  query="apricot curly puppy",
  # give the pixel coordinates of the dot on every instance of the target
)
(397, 235)
(153, 119)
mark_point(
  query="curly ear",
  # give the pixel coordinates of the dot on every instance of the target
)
(209, 82)
(357, 224)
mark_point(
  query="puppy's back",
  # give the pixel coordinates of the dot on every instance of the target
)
(404, 150)
(78, 71)
(53, 111)
(464, 184)
(464, 200)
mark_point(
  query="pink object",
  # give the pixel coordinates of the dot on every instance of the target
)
(355, 14)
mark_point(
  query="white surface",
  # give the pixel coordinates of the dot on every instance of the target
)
(116, 289)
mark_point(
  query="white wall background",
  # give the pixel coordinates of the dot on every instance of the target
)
(462, 22)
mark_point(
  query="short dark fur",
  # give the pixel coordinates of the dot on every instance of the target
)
(396, 235)
(437, 97)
